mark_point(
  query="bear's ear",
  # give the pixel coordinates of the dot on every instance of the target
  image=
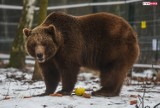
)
(26, 32)
(50, 29)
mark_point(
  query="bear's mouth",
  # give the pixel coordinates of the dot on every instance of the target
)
(40, 60)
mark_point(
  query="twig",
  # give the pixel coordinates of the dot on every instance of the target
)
(156, 105)
(140, 90)
(7, 94)
(143, 97)
(29, 90)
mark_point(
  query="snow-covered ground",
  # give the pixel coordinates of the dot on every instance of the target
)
(18, 87)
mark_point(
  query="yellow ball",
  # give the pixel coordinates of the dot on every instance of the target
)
(79, 91)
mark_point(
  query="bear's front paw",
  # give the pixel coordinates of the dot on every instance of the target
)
(63, 92)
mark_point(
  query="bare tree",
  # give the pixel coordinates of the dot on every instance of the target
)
(42, 15)
(17, 55)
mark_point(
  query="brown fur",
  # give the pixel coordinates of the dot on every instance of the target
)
(100, 41)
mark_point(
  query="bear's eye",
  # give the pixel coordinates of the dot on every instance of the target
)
(33, 45)
(44, 43)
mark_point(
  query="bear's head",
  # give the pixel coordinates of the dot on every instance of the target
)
(42, 42)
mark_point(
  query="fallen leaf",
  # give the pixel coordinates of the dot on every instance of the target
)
(132, 102)
(56, 94)
(86, 95)
(27, 96)
(6, 98)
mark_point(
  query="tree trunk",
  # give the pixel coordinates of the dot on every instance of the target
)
(17, 55)
(42, 10)
(42, 15)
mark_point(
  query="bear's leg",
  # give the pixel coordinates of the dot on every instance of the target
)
(51, 77)
(69, 78)
(111, 80)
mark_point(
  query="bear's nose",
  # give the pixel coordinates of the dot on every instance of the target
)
(39, 55)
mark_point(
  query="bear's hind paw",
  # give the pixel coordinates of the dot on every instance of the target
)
(103, 93)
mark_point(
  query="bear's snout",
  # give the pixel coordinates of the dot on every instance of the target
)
(40, 56)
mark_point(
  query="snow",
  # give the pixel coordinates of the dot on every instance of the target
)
(5, 58)
(17, 85)
(146, 73)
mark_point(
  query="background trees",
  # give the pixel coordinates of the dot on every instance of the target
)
(17, 55)
(134, 12)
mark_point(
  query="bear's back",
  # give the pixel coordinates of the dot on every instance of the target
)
(100, 24)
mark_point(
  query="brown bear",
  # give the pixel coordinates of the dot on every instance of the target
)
(102, 41)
